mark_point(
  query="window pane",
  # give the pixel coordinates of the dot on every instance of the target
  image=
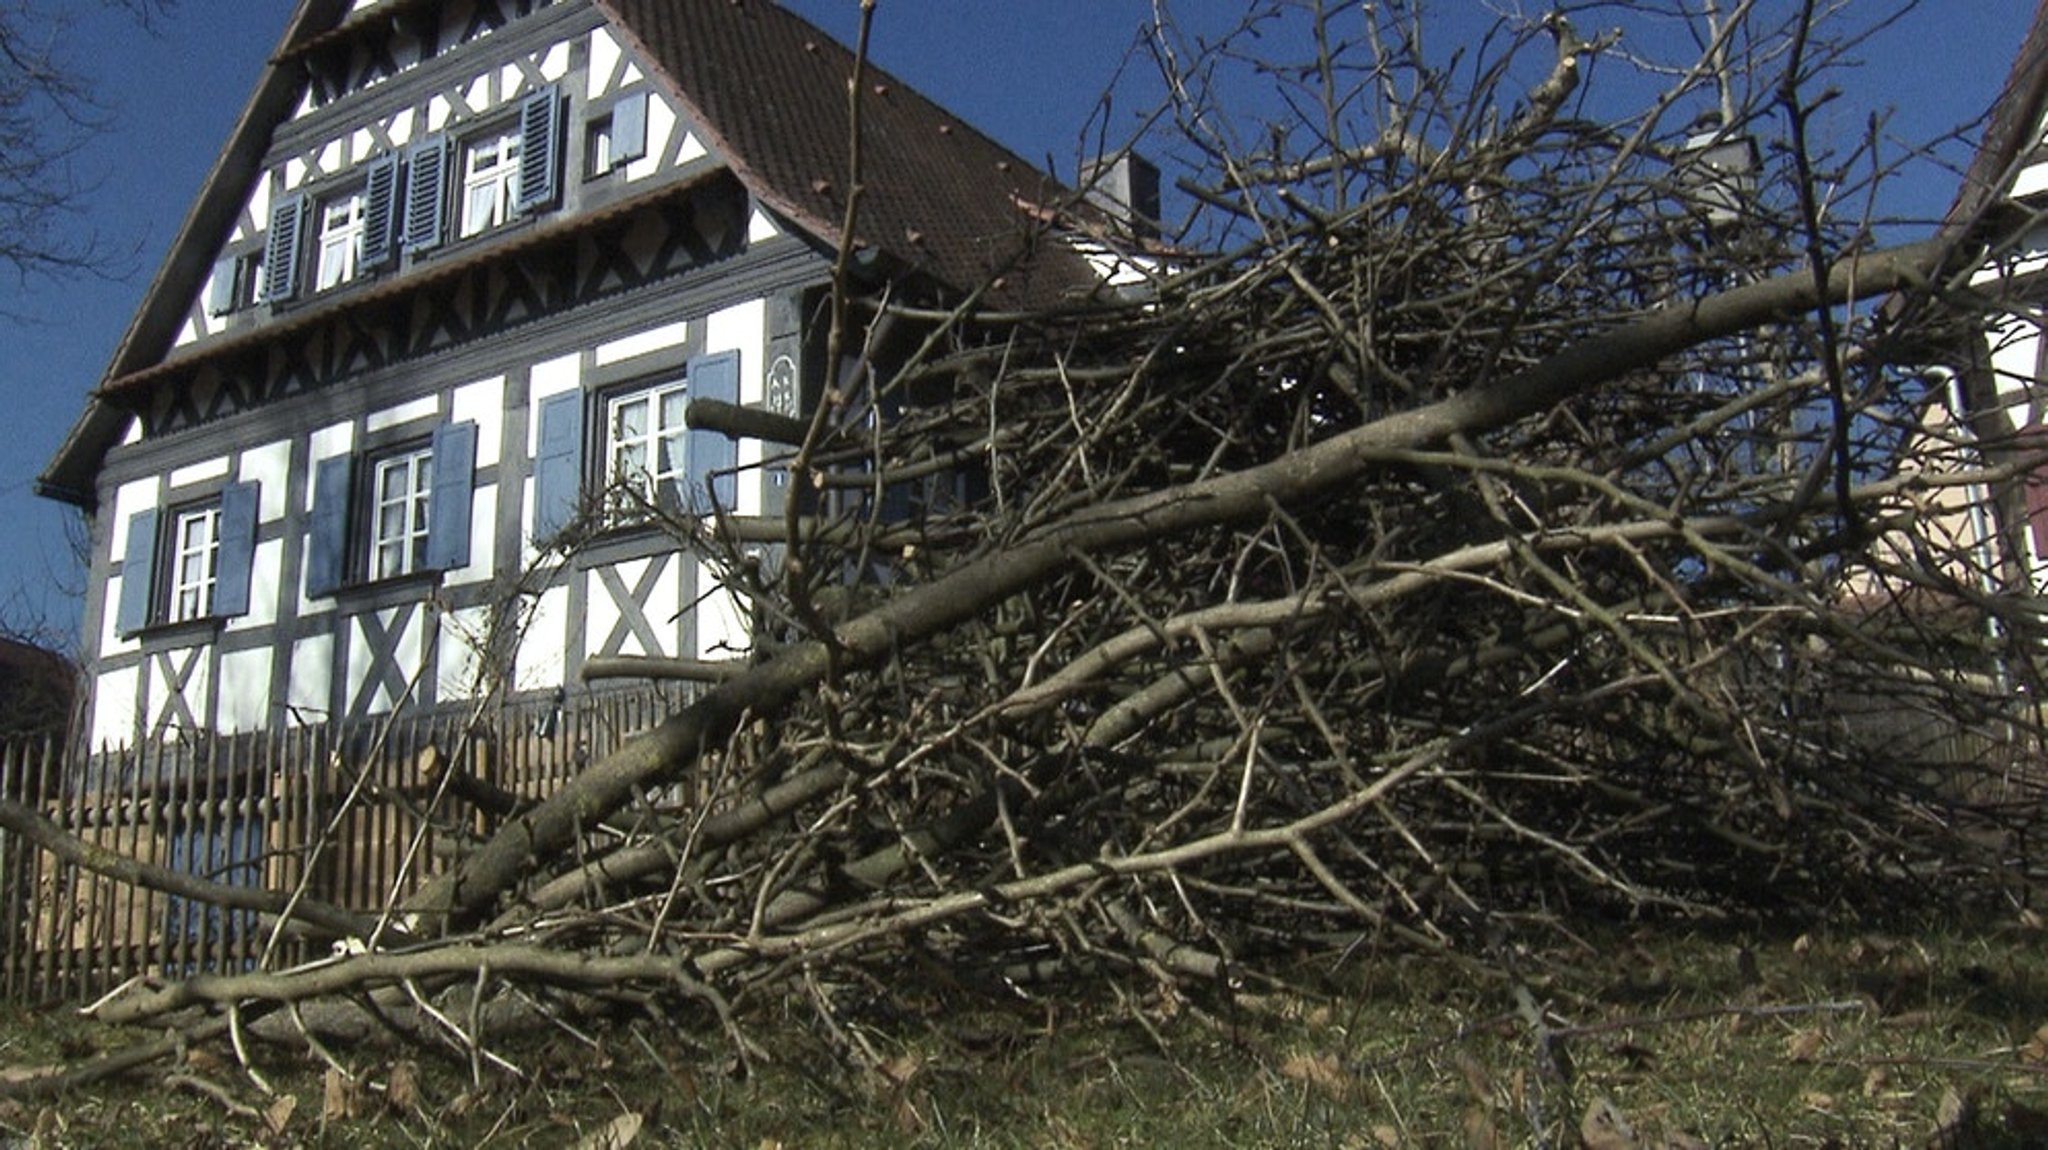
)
(629, 459)
(196, 535)
(672, 404)
(671, 455)
(341, 241)
(476, 212)
(399, 527)
(490, 172)
(629, 418)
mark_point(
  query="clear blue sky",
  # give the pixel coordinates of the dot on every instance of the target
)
(1027, 71)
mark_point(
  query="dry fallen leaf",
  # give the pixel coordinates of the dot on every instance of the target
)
(1605, 1128)
(1480, 1133)
(901, 1069)
(1320, 1071)
(403, 1094)
(617, 1136)
(2036, 1049)
(1805, 1045)
(280, 1113)
(1876, 1082)
(338, 1097)
(1953, 1116)
(1388, 1137)
(1818, 1100)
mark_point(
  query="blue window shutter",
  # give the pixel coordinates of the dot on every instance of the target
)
(281, 249)
(327, 544)
(426, 193)
(540, 132)
(236, 560)
(380, 212)
(629, 128)
(714, 377)
(448, 513)
(222, 291)
(138, 574)
(558, 468)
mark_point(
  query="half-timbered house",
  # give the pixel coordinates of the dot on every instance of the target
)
(460, 267)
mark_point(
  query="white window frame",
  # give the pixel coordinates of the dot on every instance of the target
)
(647, 464)
(195, 563)
(490, 182)
(597, 149)
(401, 491)
(342, 230)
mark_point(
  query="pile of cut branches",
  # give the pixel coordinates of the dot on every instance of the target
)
(1487, 513)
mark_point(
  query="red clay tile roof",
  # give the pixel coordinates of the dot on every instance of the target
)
(940, 197)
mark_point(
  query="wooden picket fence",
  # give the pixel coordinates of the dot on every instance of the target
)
(346, 811)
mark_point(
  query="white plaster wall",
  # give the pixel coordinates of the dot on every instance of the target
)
(549, 377)
(482, 403)
(113, 708)
(266, 588)
(543, 649)
(483, 531)
(744, 329)
(662, 126)
(2014, 354)
(215, 468)
(554, 64)
(111, 642)
(245, 690)
(270, 468)
(129, 499)
(465, 636)
(2032, 180)
(604, 60)
(425, 407)
(312, 680)
(648, 342)
(722, 632)
(330, 441)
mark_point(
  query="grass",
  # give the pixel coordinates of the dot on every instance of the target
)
(1653, 1039)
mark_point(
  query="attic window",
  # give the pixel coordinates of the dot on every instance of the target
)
(341, 241)
(490, 180)
(617, 137)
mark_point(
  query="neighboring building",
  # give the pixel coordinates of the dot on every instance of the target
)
(456, 272)
(1995, 378)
